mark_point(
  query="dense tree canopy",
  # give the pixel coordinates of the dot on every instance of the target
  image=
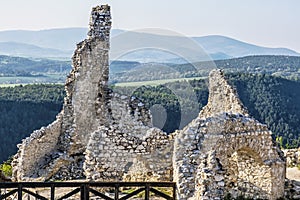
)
(24, 109)
(274, 101)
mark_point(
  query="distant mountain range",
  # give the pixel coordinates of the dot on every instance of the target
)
(60, 43)
(216, 44)
(29, 50)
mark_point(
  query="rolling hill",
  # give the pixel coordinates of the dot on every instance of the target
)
(62, 39)
(62, 42)
(25, 70)
(215, 44)
(29, 50)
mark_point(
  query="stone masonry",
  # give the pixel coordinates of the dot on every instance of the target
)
(96, 127)
(292, 157)
(224, 151)
(57, 151)
(103, 136)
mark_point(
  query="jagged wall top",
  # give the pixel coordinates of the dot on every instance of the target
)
(100, 22)
(222, 97)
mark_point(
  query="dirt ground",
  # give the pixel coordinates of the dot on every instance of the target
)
(293, 173)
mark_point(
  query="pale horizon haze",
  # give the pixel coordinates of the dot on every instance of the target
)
(269, 23)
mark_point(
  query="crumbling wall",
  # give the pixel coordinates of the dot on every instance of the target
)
(35, 150)
(129, 149)
(292, 157)
(86, 105)
(104, 136)
(222, 98)
(210, 182)
(292, 189)
(100, 135)
(224, 151)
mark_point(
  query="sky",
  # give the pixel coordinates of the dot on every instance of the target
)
(270, 23)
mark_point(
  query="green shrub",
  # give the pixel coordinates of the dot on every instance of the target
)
(6, 168)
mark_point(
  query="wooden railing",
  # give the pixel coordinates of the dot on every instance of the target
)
(87, 190)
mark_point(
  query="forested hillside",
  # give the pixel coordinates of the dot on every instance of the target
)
(271, 100)
(24, 109)
(274, 101)
(283, 66)
(18, 66)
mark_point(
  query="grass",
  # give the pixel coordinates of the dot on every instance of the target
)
(155, 82)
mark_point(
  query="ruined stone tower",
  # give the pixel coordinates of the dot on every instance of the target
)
(103, 136)
(60, 147)
(99, 135)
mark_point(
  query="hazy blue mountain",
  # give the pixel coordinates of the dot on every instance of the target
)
(215, 44)
(29, 50)
(62, 39)
(217, 47)
(57, 42)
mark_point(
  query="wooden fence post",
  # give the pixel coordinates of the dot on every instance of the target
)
(20, 191)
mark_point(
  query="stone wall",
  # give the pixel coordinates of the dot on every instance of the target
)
(223, 98)
(85, 108)
(292, 189)
(128, 148)
(211, 177)
(100, 22)
(99, 135)
(35, 151)
(292, 157)
(224, 151)
(87, 100)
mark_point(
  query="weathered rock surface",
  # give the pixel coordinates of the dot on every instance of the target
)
(57, 151)
(292, 157)
(292, 189)
(127, 148)
(224, 151)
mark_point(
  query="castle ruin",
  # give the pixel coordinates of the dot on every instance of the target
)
(103, 136)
